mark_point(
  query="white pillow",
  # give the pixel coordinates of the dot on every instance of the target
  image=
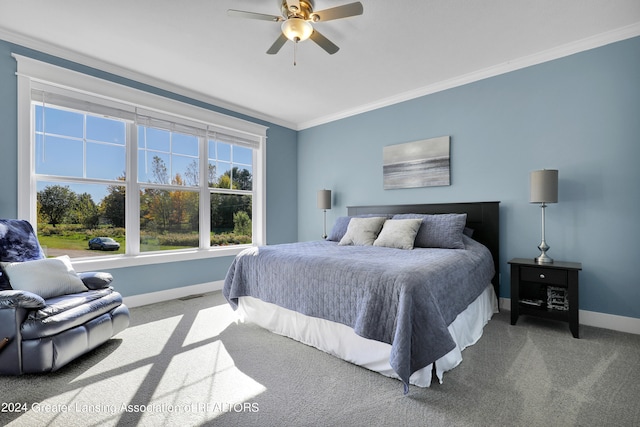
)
(49, 277)
(398, 233)
(362, 231)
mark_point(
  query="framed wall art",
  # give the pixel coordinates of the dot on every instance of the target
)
(424, 163)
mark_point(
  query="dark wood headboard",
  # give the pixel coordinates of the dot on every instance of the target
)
(482, 217)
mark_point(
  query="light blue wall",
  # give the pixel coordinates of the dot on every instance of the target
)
(579, 114)
(281, 181)
(8, 134)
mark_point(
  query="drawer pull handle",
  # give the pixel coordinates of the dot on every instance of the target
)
(542, 276)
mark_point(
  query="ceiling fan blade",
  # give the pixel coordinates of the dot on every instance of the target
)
(252, 15)
(324, 42)
(338, 12)
(277, 45)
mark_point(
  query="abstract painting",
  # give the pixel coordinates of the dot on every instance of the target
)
(422, 163)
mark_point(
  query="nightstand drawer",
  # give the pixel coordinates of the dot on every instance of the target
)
(543, 275)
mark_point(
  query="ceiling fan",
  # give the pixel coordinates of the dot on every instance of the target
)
(297, 19)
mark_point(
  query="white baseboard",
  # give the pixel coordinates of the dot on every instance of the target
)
(610, 321)
(589, 318)
(175, 293)
(614, 322)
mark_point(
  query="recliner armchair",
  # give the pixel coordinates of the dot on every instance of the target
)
(45, 325)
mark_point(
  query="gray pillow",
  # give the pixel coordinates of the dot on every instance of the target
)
(439, 230)
(342, 223)
(362, 231)
(339, 229)
(398, 233)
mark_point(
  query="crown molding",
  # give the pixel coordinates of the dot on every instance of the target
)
(104, 66)
(558, 52)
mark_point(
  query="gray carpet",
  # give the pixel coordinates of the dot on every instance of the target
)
(186, 362)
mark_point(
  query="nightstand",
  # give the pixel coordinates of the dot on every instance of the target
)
(545, 290)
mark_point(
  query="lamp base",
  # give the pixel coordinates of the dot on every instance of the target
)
(543, 258)
(324, 232)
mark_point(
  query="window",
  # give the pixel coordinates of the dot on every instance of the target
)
(153, 175)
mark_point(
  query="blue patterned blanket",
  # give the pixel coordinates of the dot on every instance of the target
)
(406, 298)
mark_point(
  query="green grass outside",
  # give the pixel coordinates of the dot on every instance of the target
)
(80, 241)
(64, 242)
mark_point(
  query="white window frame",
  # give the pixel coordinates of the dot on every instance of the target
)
(34, 74)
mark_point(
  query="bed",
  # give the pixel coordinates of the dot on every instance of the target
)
(405, 313)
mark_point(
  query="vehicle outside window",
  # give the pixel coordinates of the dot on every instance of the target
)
(104, 244)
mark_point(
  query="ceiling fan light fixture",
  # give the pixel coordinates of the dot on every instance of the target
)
(297, 29)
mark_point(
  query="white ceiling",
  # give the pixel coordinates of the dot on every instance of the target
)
(397, 50)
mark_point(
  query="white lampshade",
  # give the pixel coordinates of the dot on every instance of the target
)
(324, 199)
(544, 186)
(297, 29)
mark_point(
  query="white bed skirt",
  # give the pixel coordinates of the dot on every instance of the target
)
(342, 341)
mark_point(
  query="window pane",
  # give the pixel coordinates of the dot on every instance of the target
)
(230, 219)
(62, 122)
(105, 161)
(192, 173)
(212, 177)
(153, 167)
(223, 151)
(106, 130)
(167, 157)
(154, 139)
(242, 178)
(59, 156)
(185, 170)
(62, 149)
(38, 124)
(184, 144)
(241, 168)
(141, 137)
(71, 215)
(242, 155)
(168, 220)
(230, 166)
(223, 175)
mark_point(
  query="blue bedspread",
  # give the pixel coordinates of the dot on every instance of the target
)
(406, 298)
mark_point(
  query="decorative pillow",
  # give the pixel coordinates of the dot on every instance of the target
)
(50, 277)
(339, 229)
(18, 242)
(468, 232)
(362, 231)
(439, 231)
(342, 223)
(398, 233)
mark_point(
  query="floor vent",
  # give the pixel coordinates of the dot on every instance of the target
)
(188, 297)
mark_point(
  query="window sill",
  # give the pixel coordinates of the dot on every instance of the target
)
(121, 261)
